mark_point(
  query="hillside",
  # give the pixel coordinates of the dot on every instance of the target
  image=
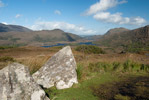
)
(14, 28)
(116, 30)
(36, 37)
(14, 34)
(107, 34)
(137, 38)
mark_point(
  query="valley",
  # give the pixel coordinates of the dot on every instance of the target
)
(112, 66)
(74, 50)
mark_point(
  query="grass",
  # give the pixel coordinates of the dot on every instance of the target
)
(121, 97)
(79, 91)
(128, 88)
(93, 70)
(97, 74)
(89, 89)
(5, 60)
(34, 63)
(127, 66)
(79, 71)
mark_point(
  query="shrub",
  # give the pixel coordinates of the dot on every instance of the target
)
(89, 49)
(6, 47)
(12, 46)
(136, 47)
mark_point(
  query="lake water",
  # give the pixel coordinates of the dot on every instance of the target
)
(64, 44)
(86, 43)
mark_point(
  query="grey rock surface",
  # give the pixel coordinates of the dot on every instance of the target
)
(60, 70)
(16, 83)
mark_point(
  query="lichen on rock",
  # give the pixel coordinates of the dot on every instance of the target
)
(16, 83)
(60, 70)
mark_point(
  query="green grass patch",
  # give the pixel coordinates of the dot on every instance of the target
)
(80, 91)
(127, 66)
(79, 71)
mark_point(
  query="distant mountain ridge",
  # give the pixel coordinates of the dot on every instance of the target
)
(13, 34)
(92, 37)
(137, 38)
(110, 32)
(116, 30)
(112, 35)
(14, 28)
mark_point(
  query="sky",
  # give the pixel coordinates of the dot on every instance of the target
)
(81, 17)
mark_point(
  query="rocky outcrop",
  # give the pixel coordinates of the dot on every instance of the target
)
(17, 84)
(60, 70)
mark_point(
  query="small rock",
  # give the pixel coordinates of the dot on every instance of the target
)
(16, 83)
(60, 70)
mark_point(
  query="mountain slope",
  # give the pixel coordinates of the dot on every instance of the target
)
(55, 35)
(15, 28)
(109, 33)
(137, 38)
(44, 36)
(116, 30)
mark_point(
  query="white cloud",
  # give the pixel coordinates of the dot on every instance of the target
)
(1, 4)
(18, 15)
(138, 21)
(57, 12)
(99, 12)
(118, 19)
(5, 23)
(103, 5)
(67, 27)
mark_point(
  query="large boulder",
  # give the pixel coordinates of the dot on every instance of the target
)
(16, 83)
(60, 70)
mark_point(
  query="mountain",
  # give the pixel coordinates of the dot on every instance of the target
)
(54, 35)
(14, 28)
(92, 37)
(37, 37)
(137, 38)
(111, 36)
(116, 30)
(109, 33)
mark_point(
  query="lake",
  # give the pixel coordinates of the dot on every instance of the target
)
(64, 44)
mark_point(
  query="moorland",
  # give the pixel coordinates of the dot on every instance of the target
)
(116, 67)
